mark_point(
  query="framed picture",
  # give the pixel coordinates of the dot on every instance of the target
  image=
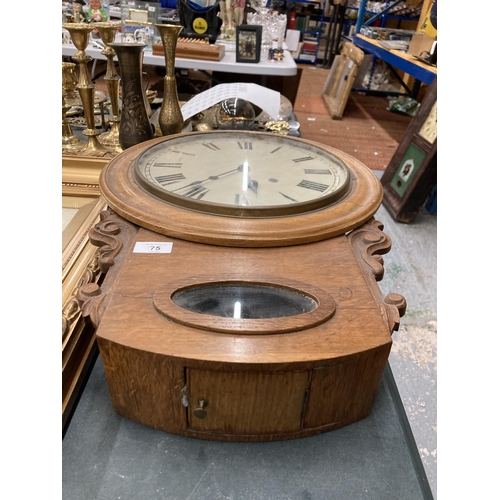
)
(341, 78)
(80, 266)
(248, 43)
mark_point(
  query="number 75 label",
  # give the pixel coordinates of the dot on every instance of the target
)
(153, 247)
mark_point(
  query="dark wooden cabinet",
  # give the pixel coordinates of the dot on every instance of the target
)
(412, 172)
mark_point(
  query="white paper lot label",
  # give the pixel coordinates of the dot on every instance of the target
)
(153, 247)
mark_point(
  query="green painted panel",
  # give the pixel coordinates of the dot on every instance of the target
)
(410, 163)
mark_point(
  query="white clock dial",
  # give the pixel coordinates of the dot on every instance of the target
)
(429, 128)
(242, 174)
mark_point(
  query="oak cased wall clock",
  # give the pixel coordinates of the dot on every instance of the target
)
(241, 300)
(412, 171)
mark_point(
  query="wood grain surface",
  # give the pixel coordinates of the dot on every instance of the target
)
(257, 387)
(193, 49)
(237, 379)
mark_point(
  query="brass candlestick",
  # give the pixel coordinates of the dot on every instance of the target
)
(69, 140)
(170, 118)
(80, 36)
(69, 97)
(69, 80)
(112, 79)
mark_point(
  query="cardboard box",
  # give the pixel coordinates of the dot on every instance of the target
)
(420, 44)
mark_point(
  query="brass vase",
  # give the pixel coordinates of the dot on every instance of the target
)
(80, 36)
(170, 118)
(135, 126)
(107, 31)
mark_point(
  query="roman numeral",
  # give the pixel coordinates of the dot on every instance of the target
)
(316, 186)
(322, 171)
(211, 146)
(167, 165)
(277, 149)
(197, 192)
(305, 158)
(169, 179)
(245, 145)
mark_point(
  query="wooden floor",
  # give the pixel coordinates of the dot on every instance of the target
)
(367, 130)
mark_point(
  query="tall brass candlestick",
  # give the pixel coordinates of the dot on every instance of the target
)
(112, 79)
(69, 81)
(170, 118)
(80, 36)
(69, 140)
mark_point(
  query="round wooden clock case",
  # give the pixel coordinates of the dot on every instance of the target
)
(265, 321)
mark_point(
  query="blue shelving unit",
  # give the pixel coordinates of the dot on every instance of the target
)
(419, 72)
(314, 33)
(383, 16)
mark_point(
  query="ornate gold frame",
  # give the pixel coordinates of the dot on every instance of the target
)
(80, 175)
(80, 265)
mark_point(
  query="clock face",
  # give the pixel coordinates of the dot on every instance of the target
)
(429, 128)
(242, 174)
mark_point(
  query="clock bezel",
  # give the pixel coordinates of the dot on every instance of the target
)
(214, 208)
(128, 199)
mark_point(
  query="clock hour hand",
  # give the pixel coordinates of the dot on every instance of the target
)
(239, 168)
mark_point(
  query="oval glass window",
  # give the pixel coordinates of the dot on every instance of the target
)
(244, 301)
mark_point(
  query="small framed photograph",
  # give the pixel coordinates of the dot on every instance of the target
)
(248, 43)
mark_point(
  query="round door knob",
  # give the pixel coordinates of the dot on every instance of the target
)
(200, 411)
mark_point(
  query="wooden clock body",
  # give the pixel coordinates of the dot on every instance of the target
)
(226, 378)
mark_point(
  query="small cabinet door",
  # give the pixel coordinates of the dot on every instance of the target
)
(246, 403)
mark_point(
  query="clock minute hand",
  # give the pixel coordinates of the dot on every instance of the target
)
(189, 185)
(211, 178)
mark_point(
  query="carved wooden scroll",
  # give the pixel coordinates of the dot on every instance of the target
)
(114, 236)
(369, 243)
